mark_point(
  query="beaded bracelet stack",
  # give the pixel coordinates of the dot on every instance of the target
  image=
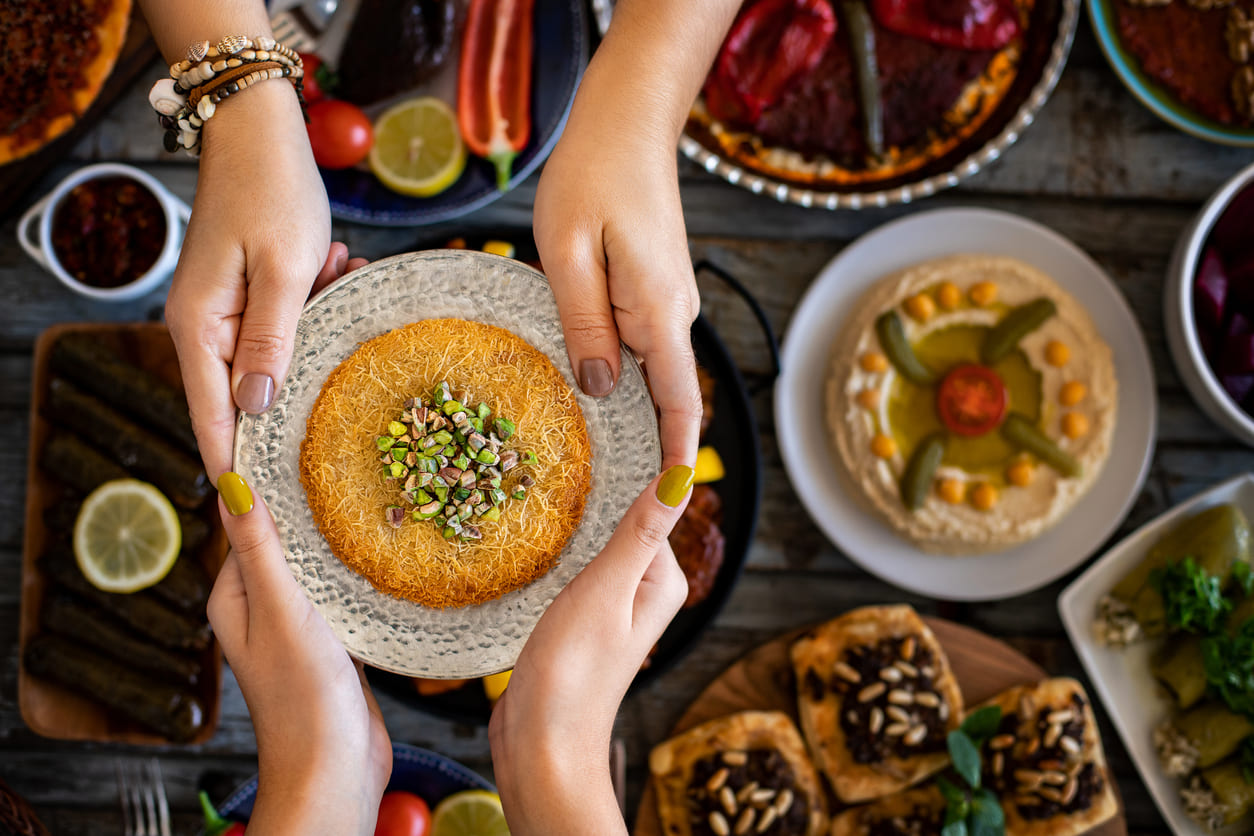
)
(212, 73)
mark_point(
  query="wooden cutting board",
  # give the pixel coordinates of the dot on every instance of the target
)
(763, 679)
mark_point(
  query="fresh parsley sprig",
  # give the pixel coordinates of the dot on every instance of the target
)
(972, 810)
(1229, 662)
(1194, 598)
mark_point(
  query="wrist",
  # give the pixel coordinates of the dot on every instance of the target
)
(264, 111)
(311, 798)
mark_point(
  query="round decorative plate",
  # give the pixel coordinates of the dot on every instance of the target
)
(392, 633)
(830, 494)
(426, 774)
(558, 58)
(1160, 101)
(1051, 30)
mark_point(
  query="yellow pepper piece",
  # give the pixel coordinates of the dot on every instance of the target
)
(709, 466)
(494, 685)
(502, 248)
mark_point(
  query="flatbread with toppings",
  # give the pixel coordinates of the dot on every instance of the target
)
(1046, 761)
(57, 56)
(876, 699)
(916, 812)
(743, 773)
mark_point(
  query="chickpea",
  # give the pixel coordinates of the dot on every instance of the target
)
(984, 496)
(1020, 473)
(1057, 353)
(983, 293)
(948, 295)
(883, 446)
(920, 307)
(869, 398)
(873, 362)
(1075, 424)
(1072, 393)
(953, 491)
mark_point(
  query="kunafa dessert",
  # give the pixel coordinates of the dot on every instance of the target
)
(447, 462)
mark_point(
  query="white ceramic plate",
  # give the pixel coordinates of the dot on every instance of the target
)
(391, 633)
(836, 503)
(1122, 677)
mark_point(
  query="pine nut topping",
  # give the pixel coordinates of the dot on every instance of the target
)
(852, 716)
(908, 669)
(876, 721)
(999, 763)
(897, 729)
(907, 648)
(1069, 791)
(1062, 716)
(900, 697)
(1030, 777)
(746, 792)
(898, 714)
(1055, 778)
(890, 675)
(1002, 741)
(719, 824)
(943, 711)
(783, 802)
(1069, 745)
(927, 699)
(728, 799)
(872, 691)
(760, 797)
(1052, 734)
(717, 780)
(1050, 794)
(735, 757)
(846, 673)
(745, 821)
(768, 819)
(915, 736)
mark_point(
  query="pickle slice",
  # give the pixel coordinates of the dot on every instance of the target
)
(1014, 326)
(916, 479)
(900, 353)
(1020, 431)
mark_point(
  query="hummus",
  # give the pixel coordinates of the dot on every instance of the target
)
(987, 493)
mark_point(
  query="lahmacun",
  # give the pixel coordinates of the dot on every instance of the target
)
(348, 490)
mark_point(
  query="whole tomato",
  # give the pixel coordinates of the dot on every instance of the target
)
(403, 814)
(340, 134)
(316, 75)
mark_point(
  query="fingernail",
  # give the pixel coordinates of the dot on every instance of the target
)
(674, 485)
(254, 393)
(595, 378)
(341, 262)
(236, 494)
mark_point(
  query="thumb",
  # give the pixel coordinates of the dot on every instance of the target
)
(579, 284)
(263, 349)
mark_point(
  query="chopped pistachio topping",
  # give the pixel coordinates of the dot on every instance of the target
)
(452, 462)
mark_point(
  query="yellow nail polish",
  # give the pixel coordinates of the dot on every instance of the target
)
(674, 485)
(235, 493)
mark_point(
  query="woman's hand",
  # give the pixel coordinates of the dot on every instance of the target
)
(550, 732)
(615, 252)
(259, 231)
(323, 751)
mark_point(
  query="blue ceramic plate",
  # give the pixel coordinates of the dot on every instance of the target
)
(427, 775)
(559, 54)
(1161, 101)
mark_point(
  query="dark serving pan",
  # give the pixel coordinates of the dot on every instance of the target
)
(734, 433)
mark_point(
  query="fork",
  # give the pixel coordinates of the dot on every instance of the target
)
(145, 811)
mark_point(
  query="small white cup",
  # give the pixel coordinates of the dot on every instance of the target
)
(44, 211)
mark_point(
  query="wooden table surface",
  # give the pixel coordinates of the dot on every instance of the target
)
(1095, 166)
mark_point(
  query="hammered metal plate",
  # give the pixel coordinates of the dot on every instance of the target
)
(392, 633)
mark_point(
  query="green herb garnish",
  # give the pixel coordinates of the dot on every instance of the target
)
(1229, 662)
(1243, 576)
(972, 810)
(1193, 597)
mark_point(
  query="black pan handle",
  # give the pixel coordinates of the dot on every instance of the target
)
(768, 333)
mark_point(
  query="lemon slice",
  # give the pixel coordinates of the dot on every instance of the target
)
(127, 536)
(470, 813)
(418, 149)
(494, 685)
(709, 466)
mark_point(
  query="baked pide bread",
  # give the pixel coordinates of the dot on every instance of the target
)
(914, 812)
(373, 510)
(57, 57)
(1046, 761)
(743, 773)
(876, 700)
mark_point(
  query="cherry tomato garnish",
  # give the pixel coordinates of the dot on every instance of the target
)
(971, 400)
(340, 134)
(314, 73)
(403, 814)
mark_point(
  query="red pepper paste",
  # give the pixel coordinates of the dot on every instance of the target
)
(1183, 48)
(109, 231)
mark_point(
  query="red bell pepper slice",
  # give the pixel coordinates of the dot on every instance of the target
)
(960, 24)
(771, 45)
(494, 81)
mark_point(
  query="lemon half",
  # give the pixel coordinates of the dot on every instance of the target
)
(470, 813)
(418, 149)
(127, 536)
